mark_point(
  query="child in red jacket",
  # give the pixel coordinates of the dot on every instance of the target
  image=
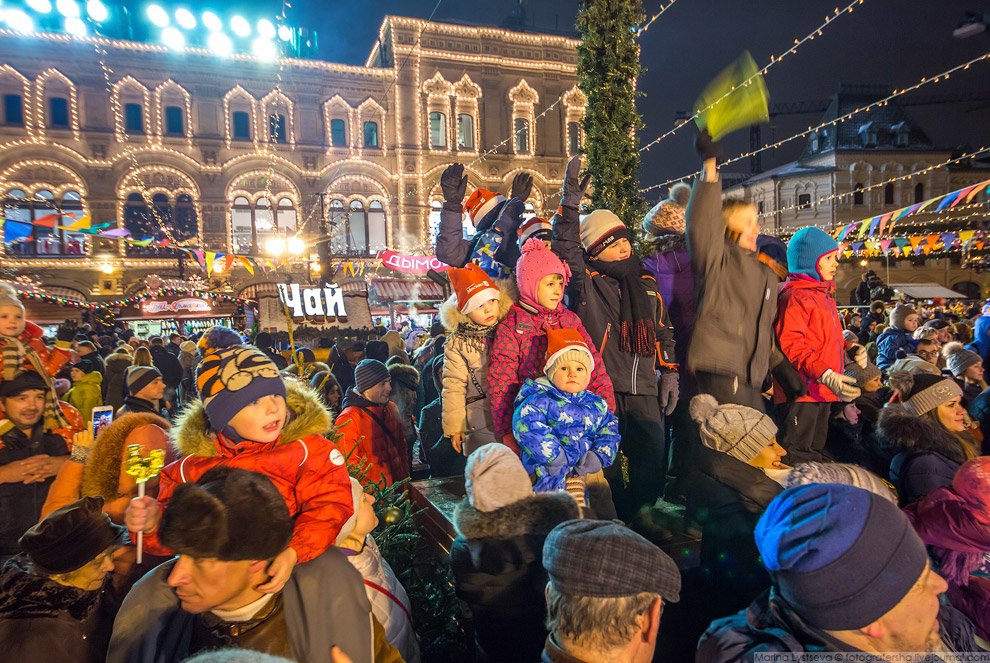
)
(810, 334)
(249, 418)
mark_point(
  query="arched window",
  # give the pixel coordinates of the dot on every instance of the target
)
(264, 223)
(858, 194)
(371, 134)
(377, 229)
(46, 239)
(521, 129)
(242, 125)
(138, 220)
(338, 133)
(435, 208)
(356, 231)
(888, 193)
(254, 226)
(276, 129)
(74, 242)
(465, 132)
(573, 138)
(438, 130)
(184, 224)
(242, 225)
(23, 237)
(285, 217)
(919, 193)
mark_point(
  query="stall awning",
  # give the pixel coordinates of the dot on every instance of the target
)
(402, 290)
(926, 291)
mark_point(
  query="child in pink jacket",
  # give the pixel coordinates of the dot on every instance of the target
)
(519, 350)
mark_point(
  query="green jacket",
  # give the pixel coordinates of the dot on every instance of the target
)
(86, 393)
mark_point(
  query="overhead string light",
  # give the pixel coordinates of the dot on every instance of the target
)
(646, 26)
(876, 104)
(773, 60)
(906, 176)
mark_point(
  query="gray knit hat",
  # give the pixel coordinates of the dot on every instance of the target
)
(495, 477)
(737, 430)
(8, 297)
(899, 314)
(958, 358)
(927, 392)
(861, 375)
(368, 373)
(139, 377)
(845, 473)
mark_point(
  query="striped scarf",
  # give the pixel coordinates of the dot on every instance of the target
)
(15, 354)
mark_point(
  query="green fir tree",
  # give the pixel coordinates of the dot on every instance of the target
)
(608, 65)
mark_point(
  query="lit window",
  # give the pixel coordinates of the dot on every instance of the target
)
(371, 134)
(465, 132)
(804, 201)
(338, 133)
(573, 138)
(522, 135)
(438, 130)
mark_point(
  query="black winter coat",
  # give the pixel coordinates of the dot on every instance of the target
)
(167, 364)
(115, 378)
(497, 560)
(20, 503)
(736, 296)
(924, 455)
(42, 621)
(596, 299)
(135, 404)
(729, 497)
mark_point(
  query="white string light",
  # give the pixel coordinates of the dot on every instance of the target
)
(897, 93)
(773, 60)
(647, 25)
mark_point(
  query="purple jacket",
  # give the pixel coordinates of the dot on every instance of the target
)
(671, 266)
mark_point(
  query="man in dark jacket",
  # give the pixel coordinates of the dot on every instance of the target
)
(145, 389)
(849, 578)
(226, 528)
(733, 347)
(174, 340)
(618, 303)
(30, 457)
(264, 342)
(608, 610)
(170, 368)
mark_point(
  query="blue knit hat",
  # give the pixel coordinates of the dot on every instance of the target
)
(806, 248)
(841, 556)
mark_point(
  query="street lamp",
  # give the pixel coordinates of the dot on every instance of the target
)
(276, 246)
(295, 246)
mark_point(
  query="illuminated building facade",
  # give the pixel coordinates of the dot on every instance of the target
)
(242, 155)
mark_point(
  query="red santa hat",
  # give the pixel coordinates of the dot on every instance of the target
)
(472, 287)
(480, 203)
(534, 227)
(566, 345)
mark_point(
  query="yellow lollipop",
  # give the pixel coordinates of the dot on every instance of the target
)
(142, 468)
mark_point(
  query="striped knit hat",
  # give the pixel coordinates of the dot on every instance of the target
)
(232, 376)
(535, 227)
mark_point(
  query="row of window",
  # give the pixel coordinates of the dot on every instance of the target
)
(465, 133)
(174, 125)
(804, 199)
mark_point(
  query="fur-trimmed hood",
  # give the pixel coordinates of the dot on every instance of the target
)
(26, 594)
(192, 435)
(671, 243)
(450, 317)
(118, 363)
(101, 475)
(405, 375)
(535, 515)
(899, 431)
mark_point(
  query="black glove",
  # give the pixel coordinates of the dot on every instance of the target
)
(574, 190)
(522, 185)
(453, 182)
(66, 331)
(706, 147)
(789, 380)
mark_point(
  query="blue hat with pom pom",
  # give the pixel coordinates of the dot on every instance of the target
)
(806, 248)
(232, 375)
(841, 556)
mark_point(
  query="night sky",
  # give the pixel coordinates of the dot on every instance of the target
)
(895, 42)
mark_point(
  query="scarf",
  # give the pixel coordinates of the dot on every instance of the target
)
(472, 335)
(14, 355)
(637, 329)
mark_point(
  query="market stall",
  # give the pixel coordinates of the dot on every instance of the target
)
(332, 306)
(183, 314)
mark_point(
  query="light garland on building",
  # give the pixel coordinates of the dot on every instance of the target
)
(72, 101)
(876, 104)
(160, 110)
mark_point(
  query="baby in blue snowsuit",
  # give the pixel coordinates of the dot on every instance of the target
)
(563, 429)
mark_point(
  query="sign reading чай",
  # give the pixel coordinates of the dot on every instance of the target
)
(302, 302)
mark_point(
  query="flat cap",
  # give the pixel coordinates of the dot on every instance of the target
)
(604, 559)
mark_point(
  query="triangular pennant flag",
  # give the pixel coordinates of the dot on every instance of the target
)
(857, 246)
(966, 235)
(885, 244)
(843, 246)
(963, 195)
(901, 212)
(883, 221)
(931, 239)
(78, 224)
(210, 257)
(975, 190)
(900, 242)
(228, 261)
(947, 239)
(848, 253)
(863, 227)
(926, 248)
(907, 250)
(845, 231)
(198, 255)
(48, 220)
(915, 241)
(247, 264)
(874, 222)
(947, 199)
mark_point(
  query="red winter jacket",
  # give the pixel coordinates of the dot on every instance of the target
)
(308, 470)
(385, 450)
(519, 353)
(810, 334)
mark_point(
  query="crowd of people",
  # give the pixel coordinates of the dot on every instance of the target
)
(600, 403)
